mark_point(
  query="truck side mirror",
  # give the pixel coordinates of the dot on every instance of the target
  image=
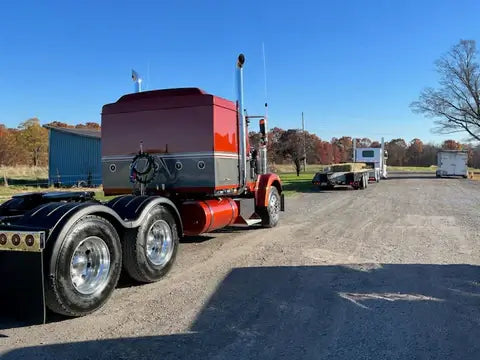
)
(262, 128)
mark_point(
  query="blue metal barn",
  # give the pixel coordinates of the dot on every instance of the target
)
(74, 157)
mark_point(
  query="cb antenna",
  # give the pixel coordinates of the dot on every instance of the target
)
(265, 84)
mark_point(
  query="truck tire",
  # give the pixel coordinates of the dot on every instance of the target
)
(149, 251)
(271, 213)
(86, 268)
(363, 182)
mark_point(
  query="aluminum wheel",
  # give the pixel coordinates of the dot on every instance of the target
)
(159, 243)
(274, 206)
(90, 266)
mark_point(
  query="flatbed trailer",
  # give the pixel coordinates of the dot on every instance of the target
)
(357, 179)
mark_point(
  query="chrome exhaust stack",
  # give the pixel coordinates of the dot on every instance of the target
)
(241, 123)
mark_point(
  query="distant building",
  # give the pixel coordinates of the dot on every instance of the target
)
(74, 157)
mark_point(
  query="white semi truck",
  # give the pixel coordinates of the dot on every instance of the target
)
(375, 158)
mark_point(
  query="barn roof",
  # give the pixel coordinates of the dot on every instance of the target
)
(80, 132)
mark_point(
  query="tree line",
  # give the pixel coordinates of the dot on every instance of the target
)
(293, 146)
(28, 143)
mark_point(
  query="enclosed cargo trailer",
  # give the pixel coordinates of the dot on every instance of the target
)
(452, 163)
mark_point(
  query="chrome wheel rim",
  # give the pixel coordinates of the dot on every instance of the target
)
(160, 245)
(274, 206)
(90, 266)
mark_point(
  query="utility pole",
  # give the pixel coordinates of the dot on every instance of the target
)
(304, 145)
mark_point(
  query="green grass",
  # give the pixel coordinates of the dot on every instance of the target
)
(293, 184)
(290, 168)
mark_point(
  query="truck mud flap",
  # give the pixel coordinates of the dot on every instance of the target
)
(22, 297)
(282, 202)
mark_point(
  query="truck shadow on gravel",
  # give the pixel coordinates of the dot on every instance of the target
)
(358, 311)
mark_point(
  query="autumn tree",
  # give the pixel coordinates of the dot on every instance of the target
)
(254, 139)
(59, 124)
(451, 145)
(397, 149)
(291, 147)
(88, 125)
(455, 105)
(363, 143)
(6, 146)
(342, 149)
(33, 139)
(414, 151)
(428, 156)
(324, 152)
(274, 150)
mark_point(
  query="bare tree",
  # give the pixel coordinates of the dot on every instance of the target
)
(455, 105)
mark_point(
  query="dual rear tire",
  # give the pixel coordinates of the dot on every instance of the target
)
(85, 270)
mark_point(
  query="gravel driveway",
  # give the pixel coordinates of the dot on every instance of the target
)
(390, 272)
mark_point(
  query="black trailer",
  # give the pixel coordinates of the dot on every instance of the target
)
(329, 179)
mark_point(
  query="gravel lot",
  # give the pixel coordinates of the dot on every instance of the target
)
(386, 273)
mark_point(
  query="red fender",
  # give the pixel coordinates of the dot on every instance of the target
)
(262, 190)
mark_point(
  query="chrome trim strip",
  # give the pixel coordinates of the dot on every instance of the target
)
(206, 154)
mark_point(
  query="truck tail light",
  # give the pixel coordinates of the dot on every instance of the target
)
(15, 240)
(31, 241)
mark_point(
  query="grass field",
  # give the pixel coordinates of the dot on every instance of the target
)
(23, 172)
(291, 183)
(412, 168)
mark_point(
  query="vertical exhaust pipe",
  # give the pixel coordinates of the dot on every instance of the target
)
(137, 80)
(354, 148)
(242, 137)
(383, 167)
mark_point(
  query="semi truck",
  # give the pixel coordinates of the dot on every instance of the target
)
(369, 165)
(375, 158)
(178, 162)
(452, 163)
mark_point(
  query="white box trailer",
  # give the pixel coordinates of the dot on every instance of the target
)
(452, 163)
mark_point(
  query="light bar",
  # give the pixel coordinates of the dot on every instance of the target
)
(22, 241)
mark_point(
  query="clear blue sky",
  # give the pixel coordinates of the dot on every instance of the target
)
(352, 67)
